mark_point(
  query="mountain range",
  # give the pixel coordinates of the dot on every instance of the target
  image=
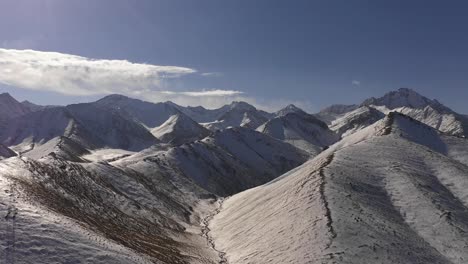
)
(121, 180)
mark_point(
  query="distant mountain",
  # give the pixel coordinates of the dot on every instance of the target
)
(179, 129)
(200, 114)
(113, 129)
(334, 112)
(239, 114)
(290, 109)
(10, 108)
(430, 112)
(86, 124)
(150, 114)
(301, 130)
(403, 97)
(355, 120)
(42, 126)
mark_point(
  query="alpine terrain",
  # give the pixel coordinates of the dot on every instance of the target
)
(122, 180)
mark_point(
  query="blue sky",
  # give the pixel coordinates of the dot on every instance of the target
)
(270, 53)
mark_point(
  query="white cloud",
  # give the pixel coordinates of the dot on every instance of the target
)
(205, 93)
(355, 82)
(75, 75)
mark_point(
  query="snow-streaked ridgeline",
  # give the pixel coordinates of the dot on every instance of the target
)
(121, 180)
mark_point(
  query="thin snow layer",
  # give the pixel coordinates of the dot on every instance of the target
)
(33, 234)
(179, 129)
(301, 130)
(355, 120)
(408, 205)
(137, 208)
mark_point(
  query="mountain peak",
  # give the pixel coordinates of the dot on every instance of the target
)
(403, 97)
(290, 109)
(7, 96)
(243, 106)
(179, 129)
(113, 97)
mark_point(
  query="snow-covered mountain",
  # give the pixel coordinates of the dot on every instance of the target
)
(301, 130)
(403, 97)
(239, 114)
(387, 193)
(200, 114)
(289, 109)
(228, 161)
(87, 124)
(179, 129)
(355, 120)
(406, 101)
(235, 114)
(430, 112)
(126, 181)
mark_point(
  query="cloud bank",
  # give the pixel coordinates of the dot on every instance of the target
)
(74, 75)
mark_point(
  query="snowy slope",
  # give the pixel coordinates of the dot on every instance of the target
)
(301, 130)
(62, 147)
(355, 120)
(59, 211)
(409, 205)
(228, 161)
(179, 129)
